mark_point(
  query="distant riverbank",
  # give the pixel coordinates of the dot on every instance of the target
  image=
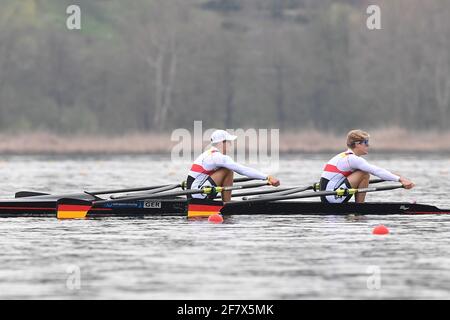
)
(390, 140)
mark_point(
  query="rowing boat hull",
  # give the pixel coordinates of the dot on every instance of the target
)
(46, 207)
(318, 208)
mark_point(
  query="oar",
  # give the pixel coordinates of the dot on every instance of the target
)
(265, 191)
(152, 191)
(243, 179)
(207, 209)
(281, 191)
(68, 208)
(175, 186)
(163, 188)
(315, 187)
(181, 185)
(286, 192)
(22, 194)
(205, 190)
(338, 192)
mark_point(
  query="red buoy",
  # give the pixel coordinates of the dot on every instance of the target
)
(215, 218)
(379, 230)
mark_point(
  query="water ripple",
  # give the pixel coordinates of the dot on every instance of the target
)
(247, 257)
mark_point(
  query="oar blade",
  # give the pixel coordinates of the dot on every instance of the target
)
(203, 208)
(25, 194)
(68, 208)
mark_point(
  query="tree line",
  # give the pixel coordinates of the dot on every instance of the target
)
(157, 65)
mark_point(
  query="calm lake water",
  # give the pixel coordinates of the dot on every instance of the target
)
(247, 257)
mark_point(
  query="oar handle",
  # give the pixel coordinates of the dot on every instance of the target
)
(243, 179)
(385, 188)
(374, 181)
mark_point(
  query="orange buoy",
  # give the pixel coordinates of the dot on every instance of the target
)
(215, 218)
(379, 230)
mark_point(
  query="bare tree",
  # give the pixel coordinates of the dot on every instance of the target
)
(229, 65)
(154, 37)
(440, 28)
(6, 40)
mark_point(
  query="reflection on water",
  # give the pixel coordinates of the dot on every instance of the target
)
(247, 257)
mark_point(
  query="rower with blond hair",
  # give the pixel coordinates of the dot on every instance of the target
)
(349, 170)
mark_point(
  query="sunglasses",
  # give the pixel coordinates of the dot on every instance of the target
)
(366, 142)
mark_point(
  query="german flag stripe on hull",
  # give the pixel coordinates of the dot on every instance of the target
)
(68, 211)
(203, 210)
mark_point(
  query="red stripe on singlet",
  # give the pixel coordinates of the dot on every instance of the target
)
(332, 168)
(200, 169)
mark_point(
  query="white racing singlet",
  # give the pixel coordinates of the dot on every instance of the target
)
(337, 170)
(209, 162)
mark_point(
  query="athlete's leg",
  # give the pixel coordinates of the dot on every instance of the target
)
(359, 179)
(224, 178)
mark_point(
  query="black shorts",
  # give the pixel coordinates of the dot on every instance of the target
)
(326, 185)
(208, 182)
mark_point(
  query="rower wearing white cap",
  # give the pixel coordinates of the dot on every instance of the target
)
(214, 168)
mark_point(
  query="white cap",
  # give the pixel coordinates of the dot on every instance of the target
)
(221, 135)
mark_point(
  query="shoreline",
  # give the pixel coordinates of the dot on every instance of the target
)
(382, 141)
